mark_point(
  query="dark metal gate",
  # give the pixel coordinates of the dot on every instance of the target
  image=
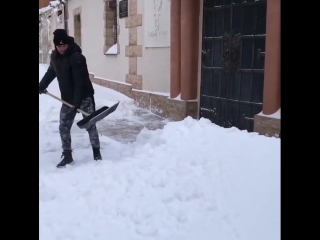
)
(233, 49)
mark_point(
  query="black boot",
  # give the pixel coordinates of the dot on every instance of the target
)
(96, 154)
(66, 159)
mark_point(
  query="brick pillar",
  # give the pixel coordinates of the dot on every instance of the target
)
(189, 49)
(133, 50)
(271, 91)
(175, 40)
(44, 3)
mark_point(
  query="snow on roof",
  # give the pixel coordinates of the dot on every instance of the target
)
(52, 5)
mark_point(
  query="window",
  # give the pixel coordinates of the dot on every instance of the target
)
(111, 28)
(77, 29)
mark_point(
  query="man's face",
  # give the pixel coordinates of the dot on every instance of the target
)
(62, 48)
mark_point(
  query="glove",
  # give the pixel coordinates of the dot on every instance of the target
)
(41, 90)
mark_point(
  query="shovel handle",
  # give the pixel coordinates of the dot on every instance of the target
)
(68, 104)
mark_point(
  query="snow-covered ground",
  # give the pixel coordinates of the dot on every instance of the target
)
(192, 180)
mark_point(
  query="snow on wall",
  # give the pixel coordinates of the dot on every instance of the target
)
(49, 20)
(52, 5)
(276, 115)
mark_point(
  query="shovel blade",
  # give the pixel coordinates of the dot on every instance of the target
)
(96, 116)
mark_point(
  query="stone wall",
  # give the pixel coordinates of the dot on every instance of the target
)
(133, 50)
(161, 105)
(267, 126)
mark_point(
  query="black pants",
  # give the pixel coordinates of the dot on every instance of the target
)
(67, 116)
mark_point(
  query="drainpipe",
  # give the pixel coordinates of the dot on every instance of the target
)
(66, 16)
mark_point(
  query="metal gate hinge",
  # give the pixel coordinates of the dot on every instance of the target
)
(260, 54)
(206, 51)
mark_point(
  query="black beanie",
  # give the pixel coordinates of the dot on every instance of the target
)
(60, 37)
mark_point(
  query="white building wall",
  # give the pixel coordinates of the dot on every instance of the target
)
(111, 67)
(154, 65)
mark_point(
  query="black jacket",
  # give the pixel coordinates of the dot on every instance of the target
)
(72, 74)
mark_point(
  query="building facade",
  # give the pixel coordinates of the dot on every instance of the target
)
(217, 59)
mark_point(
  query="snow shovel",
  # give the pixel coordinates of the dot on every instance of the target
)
(92, 118)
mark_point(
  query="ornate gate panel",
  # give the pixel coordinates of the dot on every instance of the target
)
(233, 49)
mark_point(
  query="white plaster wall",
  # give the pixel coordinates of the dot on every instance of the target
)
(112, 67)
(154, 66)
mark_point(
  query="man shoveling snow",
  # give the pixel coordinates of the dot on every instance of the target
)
(69, 66)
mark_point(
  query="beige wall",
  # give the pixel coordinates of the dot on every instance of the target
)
(112, 67)
(154, 65)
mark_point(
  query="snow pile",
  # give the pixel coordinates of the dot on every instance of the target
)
(113, 50)
(192, 180)
(276, 115)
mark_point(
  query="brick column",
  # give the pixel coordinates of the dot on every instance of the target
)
(175, 40)
(189, 49)
(133, 50)
(271, 91)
